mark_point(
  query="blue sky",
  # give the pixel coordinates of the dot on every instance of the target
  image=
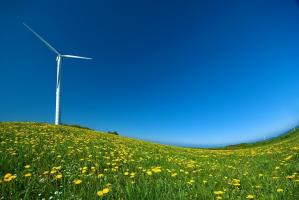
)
(177, 72)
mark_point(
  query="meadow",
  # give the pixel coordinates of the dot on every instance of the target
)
(42, 161)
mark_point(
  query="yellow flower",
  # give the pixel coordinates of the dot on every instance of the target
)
(218, 192)
(132, 175)
(105, 190)
(58, 176)
(279, 190)
(28, 175)
(100, 193)
(156, 169)
(250, 196)
(77, 181)
(9, 177)
(173, 174)
(290, 177)
(57, 168)
(101, 175)
(46, 173)
(126, 173)
(191, 182)
(288, 158)
(149, 173)
(27, 166)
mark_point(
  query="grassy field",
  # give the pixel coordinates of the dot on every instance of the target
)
(41, 161)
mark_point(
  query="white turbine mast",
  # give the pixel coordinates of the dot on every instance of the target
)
(58, 83)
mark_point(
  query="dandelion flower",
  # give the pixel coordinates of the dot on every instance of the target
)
(279, 190)
(46, 173)
(219, 193)
(27, 166)
(105, 190)
(149, 173)
(9, 177)
(58, 176)
(101, 175)
(250, 196)
(77, 181)
(100, 193)
(28, 175)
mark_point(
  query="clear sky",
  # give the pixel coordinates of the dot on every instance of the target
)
(192, 72)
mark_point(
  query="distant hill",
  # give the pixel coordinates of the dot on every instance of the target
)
(288, 135)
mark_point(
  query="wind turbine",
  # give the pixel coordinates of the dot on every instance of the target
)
(58, 60)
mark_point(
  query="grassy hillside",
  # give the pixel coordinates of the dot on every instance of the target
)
(41, 161)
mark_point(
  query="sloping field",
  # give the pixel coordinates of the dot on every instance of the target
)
(41, 161)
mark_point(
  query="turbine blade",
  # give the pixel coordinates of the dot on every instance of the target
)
(42, 39)
(72, 56)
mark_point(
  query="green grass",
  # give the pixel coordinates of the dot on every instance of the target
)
(133, 169)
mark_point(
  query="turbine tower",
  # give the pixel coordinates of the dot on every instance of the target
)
(59, 57)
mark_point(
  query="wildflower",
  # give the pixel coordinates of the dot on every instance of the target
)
(191, 182)
(27, 166)
(218, 192)
(77, 181)
(9, 177)
(288, 158)
(58, 176)
(279, 190)
(126, 173)
(149, 173)
(173, 174)
(291, 177)
(132, 174)
(57, 168)
(100, 175)
(100, 193)
(103, 192)
(46, 173)
(157, 169)
(250, 196)
(28, 175)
